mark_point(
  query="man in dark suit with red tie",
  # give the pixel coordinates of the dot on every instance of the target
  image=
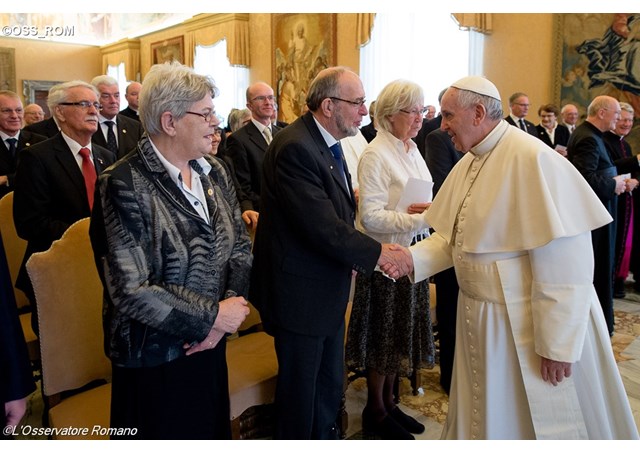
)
(55, 179)
(305, 252)
(116, 132)
(519, 107)
(12, 138)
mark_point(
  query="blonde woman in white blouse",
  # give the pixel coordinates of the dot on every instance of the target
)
(390, 331)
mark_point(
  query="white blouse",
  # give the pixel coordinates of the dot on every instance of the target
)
(383, 172)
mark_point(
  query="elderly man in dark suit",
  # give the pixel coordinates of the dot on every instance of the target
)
(519, 107)
(247, 147)
(55, 179)
(12, 138)
(131, 95)
(587, 151)
(116, 132)
(305, 252)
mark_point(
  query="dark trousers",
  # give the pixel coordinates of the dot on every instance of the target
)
(446, 308)
(187, 398)
(310, 384)
(603, 240)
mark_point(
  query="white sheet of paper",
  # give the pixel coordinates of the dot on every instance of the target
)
(416, 191)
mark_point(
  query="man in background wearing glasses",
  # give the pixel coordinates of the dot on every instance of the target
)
(247, 147)
(519, 107)
(12, 138)
(55, 179)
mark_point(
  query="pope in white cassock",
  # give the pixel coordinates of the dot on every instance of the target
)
(533, 358)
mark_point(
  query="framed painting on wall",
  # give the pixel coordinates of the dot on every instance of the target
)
(303, 45)
(7, 69)
(168, 50)
(37, 92)
(599, 54)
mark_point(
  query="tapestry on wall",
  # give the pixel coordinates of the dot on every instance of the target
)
(601, 56)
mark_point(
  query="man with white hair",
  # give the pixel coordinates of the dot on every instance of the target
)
(569, 114)
(116, 132)
(514, 218)
(55, 179)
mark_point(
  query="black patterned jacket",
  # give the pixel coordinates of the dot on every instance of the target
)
(163, 267)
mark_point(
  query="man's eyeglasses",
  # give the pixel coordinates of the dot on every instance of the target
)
(207, 116)
(358, 103)
(84, 104)
(414, 112)
(264, 98)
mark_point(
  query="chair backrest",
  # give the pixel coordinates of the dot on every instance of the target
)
(69, 295)
(14, 245)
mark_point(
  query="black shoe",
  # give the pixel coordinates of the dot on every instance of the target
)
(387, 428)
(618, 289)
(406, 421)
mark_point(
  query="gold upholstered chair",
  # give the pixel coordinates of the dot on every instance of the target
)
(74, 366)
(253, 370)
(14, 248)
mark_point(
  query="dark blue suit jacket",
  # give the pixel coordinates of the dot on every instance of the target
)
(247, 147)
(8, 162)
(531, 128)
(306, 245)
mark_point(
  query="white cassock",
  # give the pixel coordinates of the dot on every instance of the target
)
(514, 219)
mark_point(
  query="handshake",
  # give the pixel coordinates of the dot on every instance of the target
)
(395, 260)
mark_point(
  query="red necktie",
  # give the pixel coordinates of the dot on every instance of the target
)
(89, 173)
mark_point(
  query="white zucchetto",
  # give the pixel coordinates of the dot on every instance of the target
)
(478, 85)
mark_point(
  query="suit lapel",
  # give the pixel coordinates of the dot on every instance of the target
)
(256, 137)
(98, 137)
(327, 156)
(69, 164)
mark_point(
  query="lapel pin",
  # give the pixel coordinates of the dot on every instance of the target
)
(27, 144)
(124, 131)
(210, 192)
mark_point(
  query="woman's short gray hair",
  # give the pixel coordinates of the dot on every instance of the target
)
(626, 107)
(468, 99)
(171, 87)
(397, 95)
(236, 118)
